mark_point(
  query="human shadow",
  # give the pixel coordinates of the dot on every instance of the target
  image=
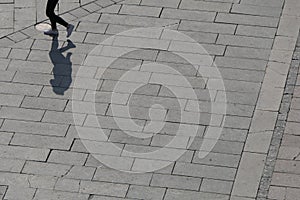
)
(62, 66)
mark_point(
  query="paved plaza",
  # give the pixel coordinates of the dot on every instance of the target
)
(151, 99)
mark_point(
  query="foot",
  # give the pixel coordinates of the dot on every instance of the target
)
(71, 44)
(51, 32)
(70, 30)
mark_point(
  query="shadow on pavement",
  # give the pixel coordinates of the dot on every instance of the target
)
(62, 66)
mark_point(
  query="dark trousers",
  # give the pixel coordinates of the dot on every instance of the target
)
(51, 4)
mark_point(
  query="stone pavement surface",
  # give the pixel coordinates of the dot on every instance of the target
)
(54, 94)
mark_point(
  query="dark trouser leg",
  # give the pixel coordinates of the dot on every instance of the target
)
(52, 16)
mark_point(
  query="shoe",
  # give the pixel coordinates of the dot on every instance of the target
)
(51, 32)
(70, 29)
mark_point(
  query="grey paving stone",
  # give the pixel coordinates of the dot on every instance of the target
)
(79, 12)
(287, 180)
(206, 27)
(112, 9)
(202, 5)
(231, 109)
(229, 134)
(285, 166)
(48, 169)
(190, 195)
(20, 89)
(21, 113)
(4, 52)
(30, 66)
(6, 76)
(4, 63)
(11, 165)
(294, 116)
(81, 173)
(145, 192)
(204, 171)
(243, 52)
(14, 179)
(2, 191)
(233, 85)
(227, 147)
(65, 157)
(135, 20)
(111, 175)
(47, 91)
(33, 78)
(256, 10)
(5, 137)
(244, 41)
(295, 103)
(15, 192)
(237, 97)
(18, 36)
(63, 117)
(217, 159)
(140, 10)
(96, 197)
(121, 137)
(273, 3)
(40, 141)
(34, 128)
(22, 43)
(101, 188)
(148, 101)
(242, 75)
(247, 20)
(292, 193)
(106, 95)
(78, 146)
(24, 153)
(161, 3)
(290, 140)
(163, 140)
(177, 182)
(211, 49)
(240, 63)
(68, 185)
(41, 182)
(109, 85)
(188, 14)
(277, 192)
(292, 128)
(216, 186)
(20, 54)
(44, 103)
(237, 122)
(51, 195)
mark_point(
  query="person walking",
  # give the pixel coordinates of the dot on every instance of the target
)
(54, 19)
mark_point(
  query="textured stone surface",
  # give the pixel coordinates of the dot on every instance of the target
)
(52, 148)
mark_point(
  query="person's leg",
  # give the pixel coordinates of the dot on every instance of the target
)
(52, 16)
(51, 4)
